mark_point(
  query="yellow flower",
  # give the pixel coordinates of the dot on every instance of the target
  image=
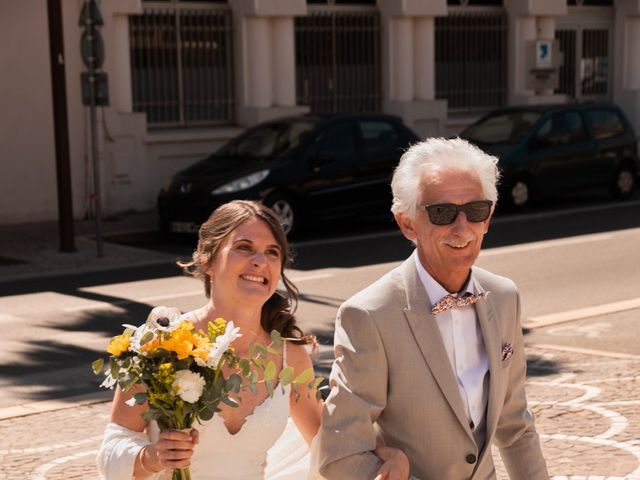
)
(184, 342)
(217, 327)
(118, 345)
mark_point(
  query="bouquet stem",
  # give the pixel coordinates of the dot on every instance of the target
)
(181, 474)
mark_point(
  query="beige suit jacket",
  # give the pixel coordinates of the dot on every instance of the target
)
(392, 377)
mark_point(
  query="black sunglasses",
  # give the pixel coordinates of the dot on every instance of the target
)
(446, 213)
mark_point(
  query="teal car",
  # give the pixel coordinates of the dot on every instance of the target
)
(546, 150)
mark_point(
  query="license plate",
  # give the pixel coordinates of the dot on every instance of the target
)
(184, 227)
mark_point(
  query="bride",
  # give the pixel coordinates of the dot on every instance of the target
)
(241, 255)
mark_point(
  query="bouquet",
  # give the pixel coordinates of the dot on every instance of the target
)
(180, 370)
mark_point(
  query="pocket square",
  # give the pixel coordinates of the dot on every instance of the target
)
(507, 351)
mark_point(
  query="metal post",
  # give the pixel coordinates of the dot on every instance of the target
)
(91, 30)
(61, 127)
(96, 163)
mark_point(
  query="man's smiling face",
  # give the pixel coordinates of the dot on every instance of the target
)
(447, 252)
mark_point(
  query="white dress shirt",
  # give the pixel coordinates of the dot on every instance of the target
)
(463, 341)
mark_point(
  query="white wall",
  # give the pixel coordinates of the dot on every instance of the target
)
(27, 155)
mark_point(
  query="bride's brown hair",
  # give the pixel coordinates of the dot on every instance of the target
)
(278, 311)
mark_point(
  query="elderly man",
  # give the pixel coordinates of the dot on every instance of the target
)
(430, 358)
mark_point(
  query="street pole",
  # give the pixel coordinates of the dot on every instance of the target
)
(95, 161)
(90, 17)
(61, 126)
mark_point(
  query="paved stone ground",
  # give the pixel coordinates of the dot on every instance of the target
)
(587, 409)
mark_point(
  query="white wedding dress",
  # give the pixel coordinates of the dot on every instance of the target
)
(267, 447)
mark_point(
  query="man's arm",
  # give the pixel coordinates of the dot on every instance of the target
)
(358, 395)
(516, 434)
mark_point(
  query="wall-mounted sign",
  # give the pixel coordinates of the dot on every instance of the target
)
(544, 54)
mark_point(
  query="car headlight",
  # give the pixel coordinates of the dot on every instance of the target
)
(241, 183)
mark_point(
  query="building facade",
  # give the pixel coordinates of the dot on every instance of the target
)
(185, 76)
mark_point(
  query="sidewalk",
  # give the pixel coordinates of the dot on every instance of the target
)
(31, 250)
(587, 409)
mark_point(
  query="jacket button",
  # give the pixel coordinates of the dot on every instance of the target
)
(471, 458)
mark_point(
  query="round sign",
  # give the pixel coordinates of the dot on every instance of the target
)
(92, 49)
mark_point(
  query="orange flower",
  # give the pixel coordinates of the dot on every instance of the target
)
(118, 345)
(184, 342)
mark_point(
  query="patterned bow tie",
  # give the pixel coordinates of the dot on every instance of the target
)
(451, 301)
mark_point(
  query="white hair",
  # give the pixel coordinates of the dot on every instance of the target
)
(438, 155)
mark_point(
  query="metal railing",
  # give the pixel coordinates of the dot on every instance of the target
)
(471, 59)
(338, 63)
(182, 64)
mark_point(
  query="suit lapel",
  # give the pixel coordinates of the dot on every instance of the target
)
(427, 335)
(491, 336)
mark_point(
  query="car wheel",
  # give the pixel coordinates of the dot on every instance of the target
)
(285, 207)
(624, 182)
(518, 194)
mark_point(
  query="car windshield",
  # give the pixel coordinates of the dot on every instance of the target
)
(270, 140)
(508, 128)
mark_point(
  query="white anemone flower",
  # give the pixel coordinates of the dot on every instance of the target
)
(189, 385)
(225, 340)
(138, 335)
(109, 382)
(166, 319)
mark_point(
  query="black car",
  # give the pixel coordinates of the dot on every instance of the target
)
(306, 166)
(556, 149)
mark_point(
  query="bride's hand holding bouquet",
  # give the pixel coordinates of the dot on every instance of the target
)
(178, 373)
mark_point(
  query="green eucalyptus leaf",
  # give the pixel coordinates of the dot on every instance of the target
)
(258, 362)
(296, 392)
(140, 398)
(97, 366)
(316, 382)
(304, 377)
(269, 385)
(286, 375)
(234, 382)
(245, 366)
(276, 338)
(150, 415)
(127, 384)
(272, 350)
(262, 350)
(253, 388)
(252, 377)
(229, 401)
(270, 371)
(114, 367)
(205, 414)
(146, 338)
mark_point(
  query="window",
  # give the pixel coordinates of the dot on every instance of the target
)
(272, 139)
(182, 64)
(335, 143)
(378, 138)
(471, 59)
(561, 129)
(605, 123)
(509, 128)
